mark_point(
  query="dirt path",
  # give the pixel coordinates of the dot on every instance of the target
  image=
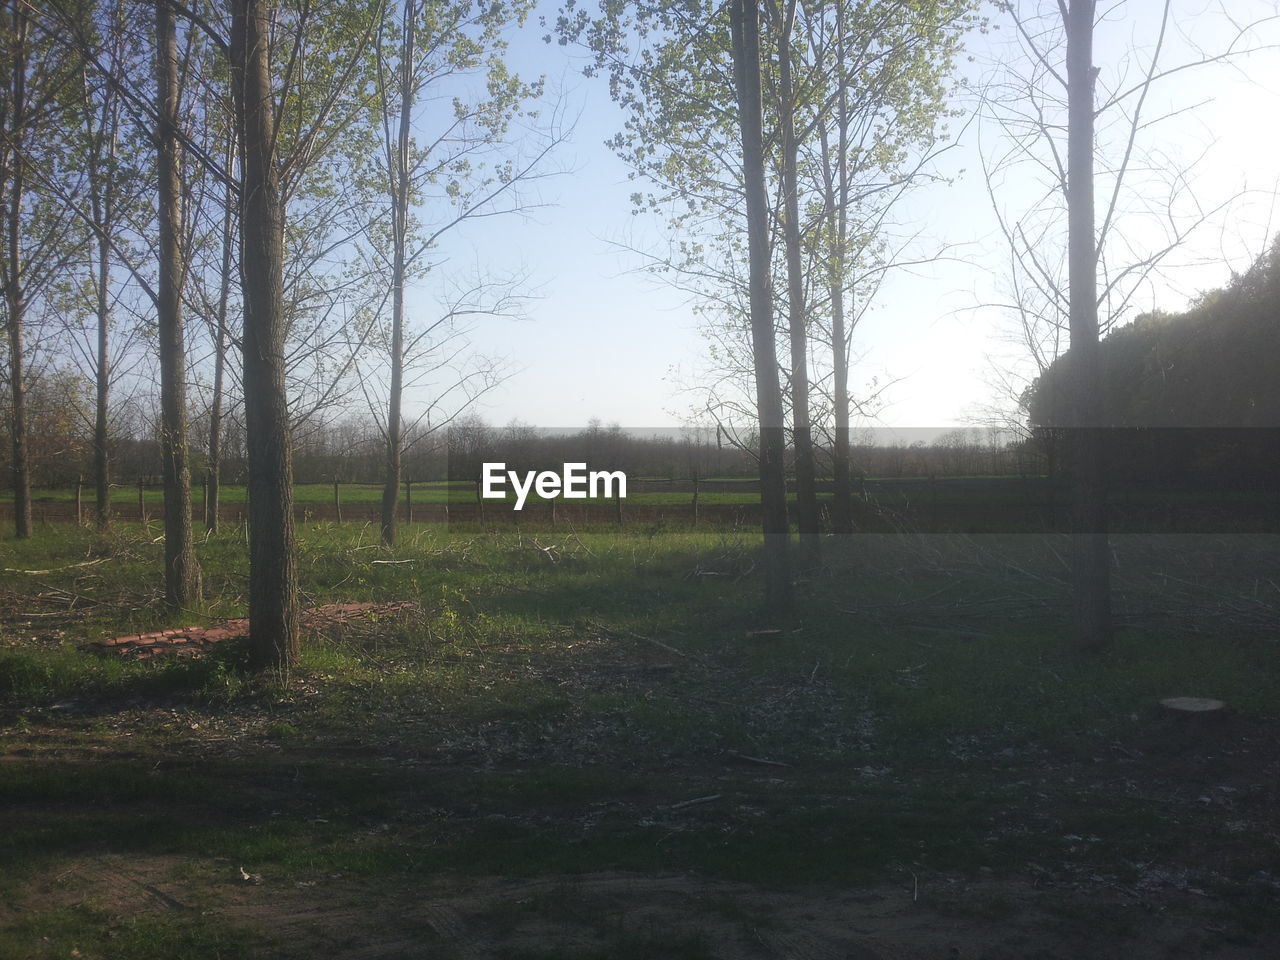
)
(625, 915)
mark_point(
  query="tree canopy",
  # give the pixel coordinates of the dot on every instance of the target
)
(1213, 365)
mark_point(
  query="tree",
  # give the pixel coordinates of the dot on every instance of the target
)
(58, 405)
(16, 113)
(273, 584)
(1187, 388)
(695, 129)
(220, 336)
(1091, 561)
(884, 85)
(874, 136)
(116, 114)
(440, 171)
(398, 187)
(36, 241)
(744, 26)
(181, 570)
(101, 111)
(283, 130)
(836, 196)
(1105, 270)
(797, 313)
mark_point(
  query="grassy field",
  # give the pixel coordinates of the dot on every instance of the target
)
(952, 505)
(436, 492)
(432, 492)
(583, 746)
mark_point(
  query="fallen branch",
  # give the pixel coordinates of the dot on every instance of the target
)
(69, 597)
(649, 640)
(70, 566)
(761, 760)
(695, 801)
(898, 603)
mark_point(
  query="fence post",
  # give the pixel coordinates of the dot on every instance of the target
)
(480, 501)
(204, 499)
(337, 502)
(408, 501)
(617, 502)
(142, 503)
(79, 513)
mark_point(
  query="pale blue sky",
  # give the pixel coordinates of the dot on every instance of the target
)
(600, 341)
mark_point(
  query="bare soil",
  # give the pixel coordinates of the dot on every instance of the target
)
(591, 914)
(1179, 905)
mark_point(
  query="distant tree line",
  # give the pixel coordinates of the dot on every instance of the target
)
(351, 449)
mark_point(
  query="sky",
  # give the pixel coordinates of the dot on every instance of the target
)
(600, 339)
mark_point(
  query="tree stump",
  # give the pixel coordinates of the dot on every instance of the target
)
(1194, 723)
(1189, 708)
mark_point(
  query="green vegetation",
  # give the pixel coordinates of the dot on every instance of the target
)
(969, 505)
(559, 699)
(431, 492)
(1212, 366)
(85, 931)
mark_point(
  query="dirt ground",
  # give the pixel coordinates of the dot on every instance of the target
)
(588, 915)
(1153, 839)
(1179, 906)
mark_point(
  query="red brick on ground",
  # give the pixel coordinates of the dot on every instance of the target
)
(190, 641)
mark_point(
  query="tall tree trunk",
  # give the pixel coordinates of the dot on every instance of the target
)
(17, 397)
(838, 227)
(398, 168)
(797, 315)
(15, 301)
(1090, 554)
(273, 587)
(181, 571)
(101, 450)
(842, 503)
(212, 508)
(101, 176)
(745, 28)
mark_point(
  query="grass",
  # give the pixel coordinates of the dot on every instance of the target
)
(429, 492)
(560, 697)
(85, 931)
(952, 505)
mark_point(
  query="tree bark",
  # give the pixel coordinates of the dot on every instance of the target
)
(842, 503)
(15, 301)
(213, 506)
(744, 24)
(838, 225)
(17, 395)
(102, 179)
(273, 591)
(102, 206)
(399, 187)
(797, 315)
(101, 448)
(181, 571)
(1090, 554)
